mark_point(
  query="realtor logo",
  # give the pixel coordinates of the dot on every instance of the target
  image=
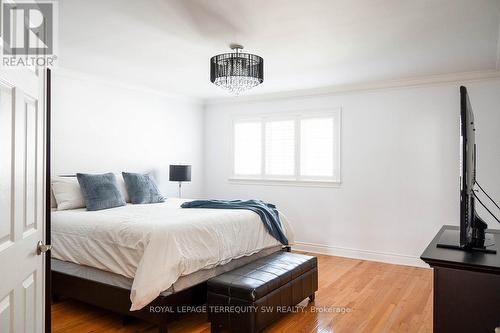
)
(27, 28)
(28, 33)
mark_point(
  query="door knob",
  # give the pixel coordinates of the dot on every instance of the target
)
(42, 248)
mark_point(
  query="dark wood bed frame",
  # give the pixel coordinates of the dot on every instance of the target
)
(117, 299)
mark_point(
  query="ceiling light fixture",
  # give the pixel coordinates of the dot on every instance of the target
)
(236, 71)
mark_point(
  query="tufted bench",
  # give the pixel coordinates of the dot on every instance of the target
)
(253, 296)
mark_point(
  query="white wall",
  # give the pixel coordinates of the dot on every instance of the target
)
(400, 168)
(399, 156)
(100, 126)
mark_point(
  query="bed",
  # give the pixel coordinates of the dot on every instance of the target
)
(138, 256)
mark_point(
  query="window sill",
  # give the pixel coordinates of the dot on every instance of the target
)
(284, 182)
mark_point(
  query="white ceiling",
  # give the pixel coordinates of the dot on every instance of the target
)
(166, 44)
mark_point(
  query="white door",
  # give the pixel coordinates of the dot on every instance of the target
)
(22, 192)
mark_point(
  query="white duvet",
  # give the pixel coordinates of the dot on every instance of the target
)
(156, 244)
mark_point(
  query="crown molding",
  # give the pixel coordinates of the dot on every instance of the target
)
(498, 44)
(353, 88)
(304, 93)
(82, 76)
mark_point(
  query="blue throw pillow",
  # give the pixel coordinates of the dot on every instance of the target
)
(100, 191)
(142, 188)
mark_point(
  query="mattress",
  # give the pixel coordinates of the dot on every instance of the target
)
(184, 282)
(155, 245)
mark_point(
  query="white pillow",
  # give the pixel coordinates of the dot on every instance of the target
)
(53, 203)
(67, 193)
(122, 187)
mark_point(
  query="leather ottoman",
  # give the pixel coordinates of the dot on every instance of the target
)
(253, 296)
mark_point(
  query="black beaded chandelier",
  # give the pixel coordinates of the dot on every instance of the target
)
(236, 71)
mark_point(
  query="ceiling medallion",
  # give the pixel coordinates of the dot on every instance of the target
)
(236, 71)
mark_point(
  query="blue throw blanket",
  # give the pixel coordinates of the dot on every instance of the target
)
(267, 212)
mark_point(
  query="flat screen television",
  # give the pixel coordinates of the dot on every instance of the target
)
(471, 235)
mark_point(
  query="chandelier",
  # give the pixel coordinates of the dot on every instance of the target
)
(236, 71)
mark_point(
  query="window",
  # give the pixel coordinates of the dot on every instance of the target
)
(295, 147)
(247, 148)
(316, 147)
(279, 148)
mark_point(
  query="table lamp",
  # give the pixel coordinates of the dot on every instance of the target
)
(180, 173)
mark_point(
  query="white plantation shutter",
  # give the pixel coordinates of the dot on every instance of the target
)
(301, 147)
(316, 147)
(280, 148)
(247, 148)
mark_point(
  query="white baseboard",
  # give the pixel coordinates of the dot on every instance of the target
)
(391, 258)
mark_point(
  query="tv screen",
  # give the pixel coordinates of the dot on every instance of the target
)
(472, 235)
(468, 168)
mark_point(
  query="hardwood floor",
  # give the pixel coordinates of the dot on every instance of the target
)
(353, 296)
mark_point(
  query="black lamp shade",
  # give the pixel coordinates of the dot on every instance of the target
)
(180, 173)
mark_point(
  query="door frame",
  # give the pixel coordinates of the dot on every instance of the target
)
(48, 208)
